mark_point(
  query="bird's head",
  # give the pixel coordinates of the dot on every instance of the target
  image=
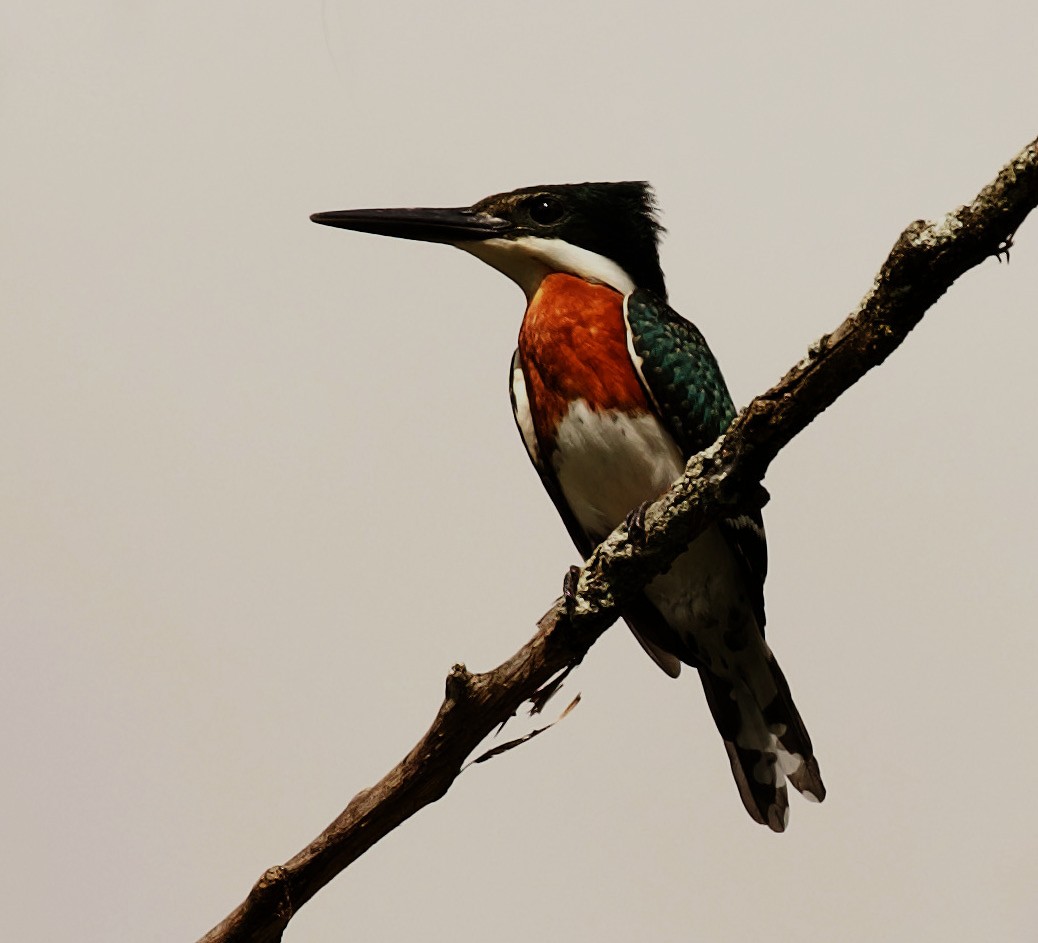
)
(603, 232)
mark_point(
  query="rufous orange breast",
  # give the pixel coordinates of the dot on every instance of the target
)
(573, 346)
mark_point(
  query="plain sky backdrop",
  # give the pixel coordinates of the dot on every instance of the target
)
(260, 485)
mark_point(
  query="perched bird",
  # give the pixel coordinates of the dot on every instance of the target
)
(613, 392)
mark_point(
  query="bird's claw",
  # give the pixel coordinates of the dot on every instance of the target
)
(569, 590)
(635, 523)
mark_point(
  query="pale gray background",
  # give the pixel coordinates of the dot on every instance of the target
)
(260, 485)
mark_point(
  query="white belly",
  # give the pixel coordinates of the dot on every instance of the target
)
(607, 463)
(610, 462)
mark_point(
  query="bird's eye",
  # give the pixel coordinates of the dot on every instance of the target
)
(545, 210)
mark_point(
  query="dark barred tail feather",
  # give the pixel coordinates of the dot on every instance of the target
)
(767, 742)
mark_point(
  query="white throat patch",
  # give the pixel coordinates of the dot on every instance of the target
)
(528, 259)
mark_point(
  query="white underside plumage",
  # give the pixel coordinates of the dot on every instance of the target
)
(608, 462)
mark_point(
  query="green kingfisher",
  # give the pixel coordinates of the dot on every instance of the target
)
(613, 392)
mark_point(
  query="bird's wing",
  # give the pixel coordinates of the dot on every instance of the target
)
(686, 388)
(645, 622)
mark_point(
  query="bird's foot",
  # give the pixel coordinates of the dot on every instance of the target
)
(635, 523)
(1004, 246)
(569, 590)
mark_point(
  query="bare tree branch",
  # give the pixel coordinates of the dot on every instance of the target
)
(924, 262)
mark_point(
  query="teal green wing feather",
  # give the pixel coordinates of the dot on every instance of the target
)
(679, 372)
(691, 399)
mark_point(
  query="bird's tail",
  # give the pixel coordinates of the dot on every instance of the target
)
(766, 740)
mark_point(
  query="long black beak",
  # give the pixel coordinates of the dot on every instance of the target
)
(426, 225)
